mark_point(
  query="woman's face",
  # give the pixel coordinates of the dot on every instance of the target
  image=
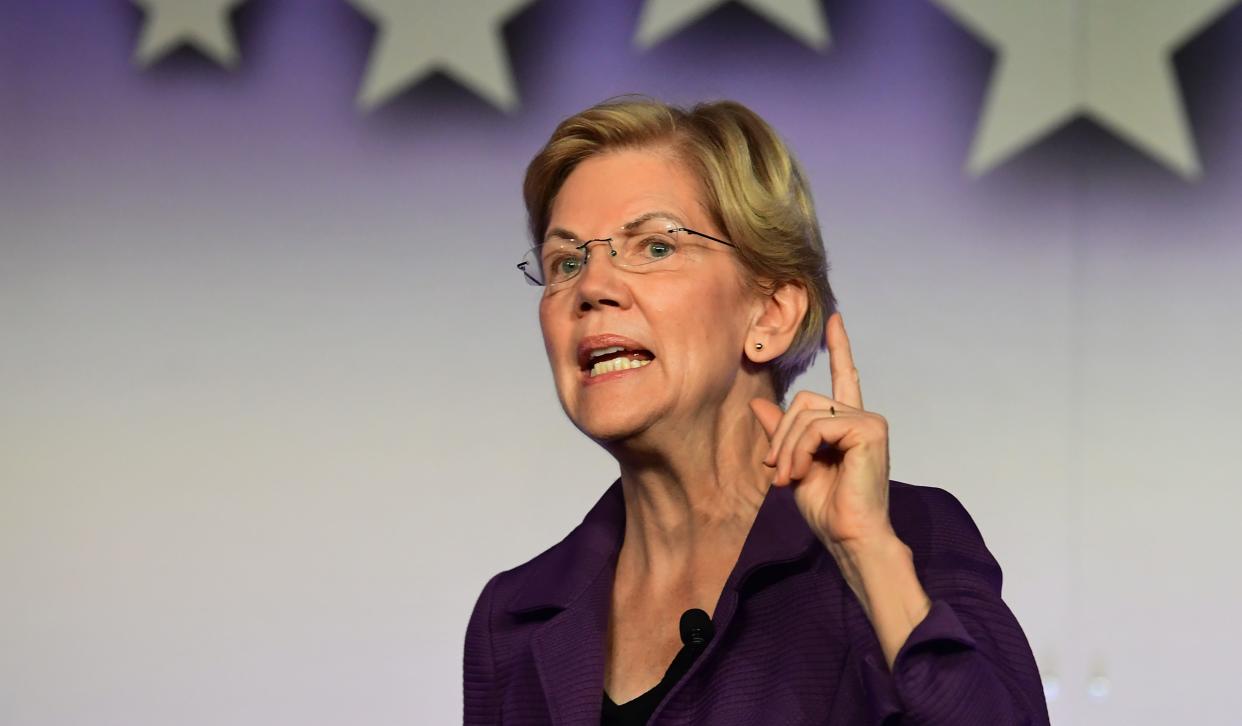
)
(693, 320)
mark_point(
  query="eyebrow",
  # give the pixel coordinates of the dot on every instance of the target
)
(562, 233)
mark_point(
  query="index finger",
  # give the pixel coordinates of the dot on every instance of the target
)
(845, 384)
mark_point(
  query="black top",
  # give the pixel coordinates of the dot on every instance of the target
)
(696, 632)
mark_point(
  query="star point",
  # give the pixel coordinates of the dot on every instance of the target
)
(1105, 60)
(203, 24)
(462, 39)
(803, 19)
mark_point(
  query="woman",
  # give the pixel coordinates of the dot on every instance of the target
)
(685, 287)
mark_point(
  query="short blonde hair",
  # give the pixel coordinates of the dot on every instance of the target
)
(754, 191)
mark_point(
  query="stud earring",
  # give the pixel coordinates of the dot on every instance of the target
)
(758, 346)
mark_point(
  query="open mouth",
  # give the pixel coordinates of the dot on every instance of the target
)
(615, 358)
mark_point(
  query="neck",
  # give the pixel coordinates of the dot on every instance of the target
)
(691, 495)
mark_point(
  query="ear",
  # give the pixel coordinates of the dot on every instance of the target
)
(775, 324)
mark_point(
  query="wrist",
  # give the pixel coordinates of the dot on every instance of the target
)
(878, 552)
(881, 573)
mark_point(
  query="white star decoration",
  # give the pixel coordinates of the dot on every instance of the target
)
(460, 37)
(1108, 60)
(803, 19)
(202, 23)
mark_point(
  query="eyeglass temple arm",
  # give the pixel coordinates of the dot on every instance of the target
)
(687, 230)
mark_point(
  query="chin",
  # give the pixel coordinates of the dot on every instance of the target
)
(613, 424)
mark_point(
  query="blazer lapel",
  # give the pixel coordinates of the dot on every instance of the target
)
(575, 577)
(569, 654)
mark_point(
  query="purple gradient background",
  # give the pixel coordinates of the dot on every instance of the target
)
(258, 453)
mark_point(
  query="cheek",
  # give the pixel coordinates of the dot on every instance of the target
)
(705, 325)
(551, 331)
(718, 307)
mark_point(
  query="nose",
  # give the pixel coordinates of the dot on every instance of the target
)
(600, 283)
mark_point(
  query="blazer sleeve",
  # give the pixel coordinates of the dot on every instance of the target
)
(967, 663)
(480, 696)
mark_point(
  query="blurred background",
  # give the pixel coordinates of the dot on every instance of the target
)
(273, 398)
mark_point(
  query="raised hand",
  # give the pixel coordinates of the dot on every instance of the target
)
(833, 452)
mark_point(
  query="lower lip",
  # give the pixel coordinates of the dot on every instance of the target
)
(588, 380)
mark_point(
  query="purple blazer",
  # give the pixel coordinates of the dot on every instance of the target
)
(792, 643)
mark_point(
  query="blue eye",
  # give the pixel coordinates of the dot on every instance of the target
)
(658, 248)
(564, 266)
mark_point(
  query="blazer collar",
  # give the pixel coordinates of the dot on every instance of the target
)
(780, 534)
(576, 577)
(561, 575)
(557, 577)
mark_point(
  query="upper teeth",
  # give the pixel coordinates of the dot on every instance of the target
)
(616, 364)
(605, 351)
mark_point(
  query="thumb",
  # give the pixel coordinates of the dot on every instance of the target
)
(768, 413)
